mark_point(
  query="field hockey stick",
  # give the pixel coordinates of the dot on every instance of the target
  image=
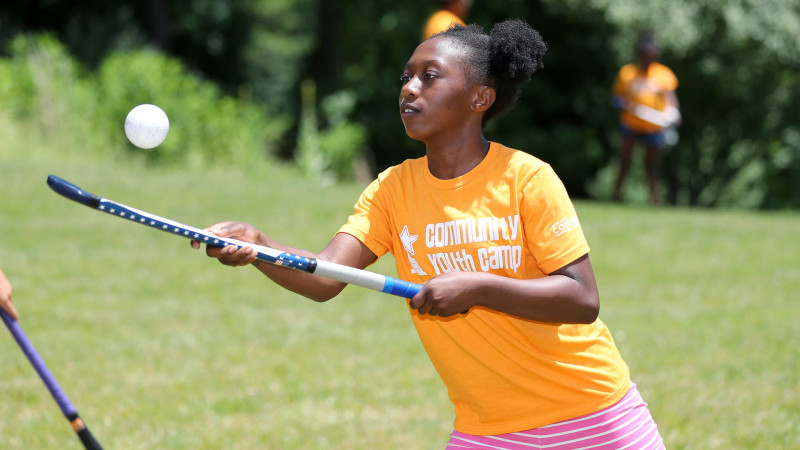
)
(59, 396)
(345, 274)
(657, 117)
(667, 120)
(663, 119)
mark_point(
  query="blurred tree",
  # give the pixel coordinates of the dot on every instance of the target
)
(563, 116)
(367, 56)
(737, 62)
(253, 49)
(89, 28)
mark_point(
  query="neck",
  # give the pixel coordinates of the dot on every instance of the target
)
(455, 158)
(456, 8)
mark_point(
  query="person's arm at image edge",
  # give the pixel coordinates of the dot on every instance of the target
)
(5, 297)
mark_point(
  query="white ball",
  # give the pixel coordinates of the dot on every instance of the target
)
(146, 126)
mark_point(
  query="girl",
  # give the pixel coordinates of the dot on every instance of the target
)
(508, 311)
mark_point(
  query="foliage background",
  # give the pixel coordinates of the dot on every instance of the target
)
(737, 62)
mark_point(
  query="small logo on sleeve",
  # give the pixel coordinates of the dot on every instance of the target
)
(565, 225)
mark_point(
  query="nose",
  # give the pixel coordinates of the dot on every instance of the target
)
(411, 88)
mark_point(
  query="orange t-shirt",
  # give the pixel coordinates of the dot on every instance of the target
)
(509, 216)
(644, 88)
(440, 21)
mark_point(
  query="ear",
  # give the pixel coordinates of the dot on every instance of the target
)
(483, 98)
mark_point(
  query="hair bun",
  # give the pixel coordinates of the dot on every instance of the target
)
(506, 58)
(516, 50)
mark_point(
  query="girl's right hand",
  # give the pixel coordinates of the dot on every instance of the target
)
(229, 255)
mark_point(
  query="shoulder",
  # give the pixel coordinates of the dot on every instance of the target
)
(532, 175)
(519, 164)
(661, 68)
(404, 170)
(518, 157)
(628, 71)
(444, 15)
(664, 73)
(440, 21)
(665, 76)
(393, 182)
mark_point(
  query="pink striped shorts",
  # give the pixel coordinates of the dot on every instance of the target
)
(625, 424)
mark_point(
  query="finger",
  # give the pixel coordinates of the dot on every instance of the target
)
(9, 308)
(418, 300)
(426, 308)
(213, 252)
(250, 253)
(231, 256)
(244, 255)
(223, 254)
(224, 229)
(12, 311)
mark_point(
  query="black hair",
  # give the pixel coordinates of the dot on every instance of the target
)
(646, 39)
(505, 59)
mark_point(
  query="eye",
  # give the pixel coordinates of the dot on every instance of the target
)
(429, 76)
(404, 78)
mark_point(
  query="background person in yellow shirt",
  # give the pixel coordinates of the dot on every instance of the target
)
(451, 12)
(508, 311)
(645, 94)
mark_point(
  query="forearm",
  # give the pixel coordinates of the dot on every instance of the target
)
(308, 285)
(568, 295)
(552, 299)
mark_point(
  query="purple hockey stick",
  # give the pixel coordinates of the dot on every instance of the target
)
(59, 396)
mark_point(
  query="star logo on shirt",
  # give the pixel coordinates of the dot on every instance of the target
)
(408, 240)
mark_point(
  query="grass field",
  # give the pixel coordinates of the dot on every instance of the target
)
(161, 347)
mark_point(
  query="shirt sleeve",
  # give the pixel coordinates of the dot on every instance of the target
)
(369, 222)
(621, 81)
(552, 231)
(669, 80)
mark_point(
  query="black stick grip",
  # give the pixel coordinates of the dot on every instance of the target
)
(72, 192)
(88, 440)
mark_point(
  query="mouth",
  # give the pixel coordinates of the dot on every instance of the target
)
(408, 110)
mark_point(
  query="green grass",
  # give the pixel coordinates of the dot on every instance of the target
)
(703, 307)
(161, 347)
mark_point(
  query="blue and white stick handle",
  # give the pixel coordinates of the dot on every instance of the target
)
(345, 274)
(58, 395)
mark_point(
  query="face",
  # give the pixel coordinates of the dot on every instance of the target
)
(461, 7)
(436, 96)
(647, 54)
